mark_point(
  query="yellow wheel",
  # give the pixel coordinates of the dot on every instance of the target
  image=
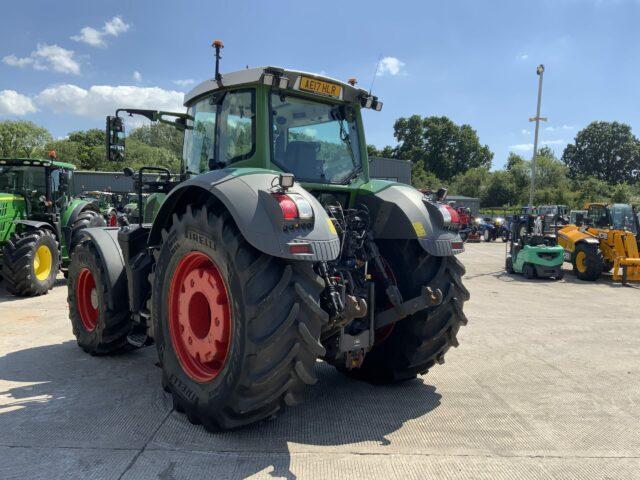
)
(42, 262)
(581, 262)
(587, 261)
(30, 262)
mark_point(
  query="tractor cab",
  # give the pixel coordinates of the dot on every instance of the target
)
(617, 216)
(41, 186)
(273, 119)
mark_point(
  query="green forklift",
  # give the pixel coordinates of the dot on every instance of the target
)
(534, 256)
(39, 222)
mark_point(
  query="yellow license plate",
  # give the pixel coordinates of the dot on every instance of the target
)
(318, 86)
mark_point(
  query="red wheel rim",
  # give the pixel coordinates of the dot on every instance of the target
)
(87, 299)
(199, 317)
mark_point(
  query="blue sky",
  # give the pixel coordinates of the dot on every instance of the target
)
(474, 61)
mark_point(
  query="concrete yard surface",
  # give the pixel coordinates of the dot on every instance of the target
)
(545, 384)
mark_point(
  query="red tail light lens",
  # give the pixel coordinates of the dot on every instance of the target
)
(288, 206)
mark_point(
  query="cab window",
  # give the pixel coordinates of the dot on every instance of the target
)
(199, 135)
(598, 216)
(236, 127)
(221, 129)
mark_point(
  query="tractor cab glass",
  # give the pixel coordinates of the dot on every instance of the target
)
(598, 216)
(623, 217)
(220, 130)
(23, 180)
(316, 141)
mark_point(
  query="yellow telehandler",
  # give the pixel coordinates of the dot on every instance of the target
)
(605, 238)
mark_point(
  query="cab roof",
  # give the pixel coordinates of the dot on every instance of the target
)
(35, 162)
(348, 93)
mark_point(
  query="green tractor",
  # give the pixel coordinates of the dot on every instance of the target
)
(39, 222)
(274, 249)
(107, 204)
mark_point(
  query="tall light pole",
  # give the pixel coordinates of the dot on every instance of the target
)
(537, 119)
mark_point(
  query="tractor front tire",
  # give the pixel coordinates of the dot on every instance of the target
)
(99, 315)
(86, 219)
(587, 261)
(421, 340)
(237, 331)
(30, 262)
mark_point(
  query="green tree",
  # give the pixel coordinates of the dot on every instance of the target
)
(605, 150)
(444, 148)
(499, 191)
(422, 180)
(471, 183)
(23, 139)
(160, 135)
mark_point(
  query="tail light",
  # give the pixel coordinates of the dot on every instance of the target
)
(294, 206)
(288, 206)
(450, 215)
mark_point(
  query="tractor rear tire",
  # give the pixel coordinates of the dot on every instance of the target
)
(99, 315)
(421, 340)
(587, 261)
(237, 331)
(30, 262)
(86, 219)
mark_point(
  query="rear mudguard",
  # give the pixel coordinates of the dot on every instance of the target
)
(247, 195)
(401, 212)
(105, 240)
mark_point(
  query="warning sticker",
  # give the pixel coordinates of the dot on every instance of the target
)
(419, 229)
(332, 227)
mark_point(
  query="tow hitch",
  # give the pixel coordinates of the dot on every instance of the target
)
(428, 298)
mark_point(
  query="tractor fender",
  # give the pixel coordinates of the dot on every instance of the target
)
(105, 240)
(247, 194)
(35, 225)
(400, 212)
(74, 209)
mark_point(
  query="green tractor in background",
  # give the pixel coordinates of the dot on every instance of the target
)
(39, 222)
(107, 204)
(273, 249)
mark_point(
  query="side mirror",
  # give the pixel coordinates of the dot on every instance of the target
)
(128, 172)
(115, 139)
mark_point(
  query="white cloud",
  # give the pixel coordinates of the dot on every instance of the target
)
(101, 100)
(14, 103)
(14, 61)
(524, 131)
(390, 65)
(96, 38)
(115, 27)
(528, 147)
(137, 76)
(522, 56)
(184, 83)
(47, 57)
(551, 128)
